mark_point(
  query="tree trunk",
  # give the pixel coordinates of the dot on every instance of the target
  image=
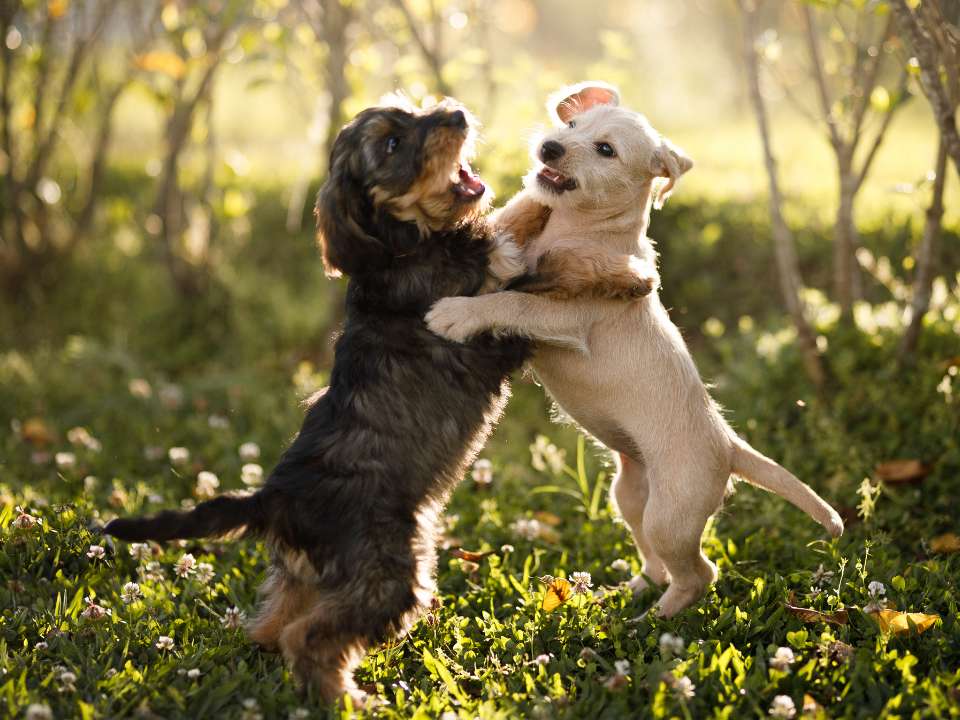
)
(926, 260)
(788, 268)
(336, 20)
(845, 243)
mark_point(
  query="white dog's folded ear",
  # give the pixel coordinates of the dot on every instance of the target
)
(668, 162)
(566, 103)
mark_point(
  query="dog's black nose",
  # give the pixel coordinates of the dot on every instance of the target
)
(551, 150)
(457, 119)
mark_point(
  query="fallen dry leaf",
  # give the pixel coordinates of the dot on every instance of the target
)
(946, 543)
(36, 432)
(902, 471)
(901, 623)
(809, 615)
(558, 592)
(470, 555)
(547, 518)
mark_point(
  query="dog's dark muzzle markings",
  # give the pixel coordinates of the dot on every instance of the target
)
(350, 512)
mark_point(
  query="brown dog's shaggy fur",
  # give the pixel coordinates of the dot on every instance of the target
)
(351, 510)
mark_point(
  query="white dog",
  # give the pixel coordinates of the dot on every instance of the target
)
(619, 367)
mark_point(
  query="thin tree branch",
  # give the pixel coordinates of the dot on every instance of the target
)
(881, 132)
(869, 81)
(430, 56)
(823, 92)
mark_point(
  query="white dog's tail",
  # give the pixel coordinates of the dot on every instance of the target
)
(757, 469)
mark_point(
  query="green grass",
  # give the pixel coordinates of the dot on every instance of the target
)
(489, 651)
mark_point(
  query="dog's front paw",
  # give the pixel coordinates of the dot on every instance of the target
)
(453, 319)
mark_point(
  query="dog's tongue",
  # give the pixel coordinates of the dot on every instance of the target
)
(470, 181)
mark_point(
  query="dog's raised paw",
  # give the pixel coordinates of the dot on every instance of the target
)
(450, 318)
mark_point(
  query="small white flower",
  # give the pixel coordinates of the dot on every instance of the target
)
(232, 618)
(251, 474)
(620, 565)
(542, 659)
(507, 548)
(581, 582)
(65, 460)
(152, 572)
(193, 673)
(93, 611)
(684, 688)
(205, 573)
(67, 681)
(526, 528)
(130, 593)
(622, 667)
(185, 566)
(249, 452)
(782, 659)
(783, 707)
(90, 483)
(178, 456)
(482, 472)
(96, 552)
(139, 551)
(251, 710)
(140, 388)
(876, 589)
(218, 422)
(112, 672)
(672, 645)
(42, 645)
(38, 711)
(207, 484)
(164, 642)
(298, 714)
(24, 520)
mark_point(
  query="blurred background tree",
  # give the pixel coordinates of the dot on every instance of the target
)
(158, 158)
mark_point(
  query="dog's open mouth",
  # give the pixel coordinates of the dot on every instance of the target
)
(555, 181)
(468, 185)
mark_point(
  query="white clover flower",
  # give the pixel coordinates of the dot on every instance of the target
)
(482, 473)
(130, 593)
(164, 642)
(24, 520)
(152, 572)
(232, 618)
(78, 436)
(251, 710)
(782, 659)
(42, 645)
(526, 528)
(90, 483)
(620, 565)
(38, 711)
(249, 452)
(876, 589)
(581, 582)
(194, 673)
(112, 672)
(672, 645)
(684, 688)
(67, 681)
(205, 573)
(93, 611)
(207, 484)
(171, 396)
(542, 659)
(178, 456)
(65, 460)
(622, 667)
(139, 551)
(185, 566)
(140, 388)
(218, 422)
(507, 548)
(251, 474)
(783, 707)
(96, 552)
(544, 454)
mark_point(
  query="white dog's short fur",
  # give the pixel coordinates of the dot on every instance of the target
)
(619, 367)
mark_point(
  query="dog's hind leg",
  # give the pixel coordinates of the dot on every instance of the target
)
(673, 521)
(285, 598)
(630, 491)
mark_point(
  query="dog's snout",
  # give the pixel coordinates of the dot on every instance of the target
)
(457, 119)
(551, 150)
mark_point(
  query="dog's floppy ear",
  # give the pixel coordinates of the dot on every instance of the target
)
(668, 162)
(568, 102)
(342, 206)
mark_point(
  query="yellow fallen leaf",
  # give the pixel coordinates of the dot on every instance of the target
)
(901, 471)
(558, 592)
(809, 615)
(901, 623)
(946, 543)
(166, 63)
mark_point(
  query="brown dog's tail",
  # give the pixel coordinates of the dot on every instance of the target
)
(219, 516)
(757, 469)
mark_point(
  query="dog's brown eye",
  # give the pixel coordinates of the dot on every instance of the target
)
(605, 149)
(392, 144)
